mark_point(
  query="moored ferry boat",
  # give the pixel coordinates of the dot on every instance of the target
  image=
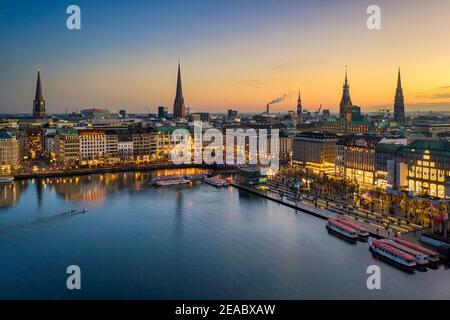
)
(6, 180)
(171, 182)
(432, 255)
(362, 232)
(196, 176)
(391, 253)
(421, 258)
(155, 180)
(217, 182)
(342, 229)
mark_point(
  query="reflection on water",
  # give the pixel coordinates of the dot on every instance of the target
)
(180, 242)
(59, 217)
(84, 188)
(10, 193)
(179, 212)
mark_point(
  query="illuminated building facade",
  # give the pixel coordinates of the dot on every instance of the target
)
(316, 151)
(112, 139)
(141, 138)
(428, 164)
(92, 146)
(355, 158)
(388, 170)
(286, 144)
(125, 148)
(68, 146)
(9, 151)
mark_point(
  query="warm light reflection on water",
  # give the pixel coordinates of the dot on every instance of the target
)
(194, 241)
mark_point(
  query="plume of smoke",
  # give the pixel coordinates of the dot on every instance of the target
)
(281, 98)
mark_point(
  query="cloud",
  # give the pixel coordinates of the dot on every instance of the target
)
(411, 107)
(442, 92)
(287, 67)
(253, 83)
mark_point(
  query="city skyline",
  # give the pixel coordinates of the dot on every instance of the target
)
(102, 66)
(191, 153)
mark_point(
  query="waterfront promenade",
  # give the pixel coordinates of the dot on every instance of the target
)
(379, 225)
(104, 169)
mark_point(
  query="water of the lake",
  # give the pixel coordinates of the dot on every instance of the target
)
(183, 242)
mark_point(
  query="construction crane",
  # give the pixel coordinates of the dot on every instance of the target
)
(318, 111)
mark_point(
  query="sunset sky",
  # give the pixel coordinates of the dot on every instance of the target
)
(234, 54)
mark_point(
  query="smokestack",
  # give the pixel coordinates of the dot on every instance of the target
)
(267, 108)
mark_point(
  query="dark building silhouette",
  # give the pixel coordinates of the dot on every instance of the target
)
(346, 106)
(299, 108)
(162, 112)
(179, 110)
(39, 102)
(399, 103)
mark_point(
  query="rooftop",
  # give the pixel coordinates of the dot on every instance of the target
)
(435, 147)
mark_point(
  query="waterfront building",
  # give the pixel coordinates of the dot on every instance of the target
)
(38, 102)
(388, 171)
(179, 110)
(428, 164)
(399, 103)
(50, 141)
(68, 146)
(9, 151)
(163, 143)
(24, 147)
(112, 139)
(125, 148)
(92, 146)
(250, 176)
(141, 138)
(315, 151)
(286, 146)
(355, 158)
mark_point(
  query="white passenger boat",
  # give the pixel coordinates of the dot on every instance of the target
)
(196, 176)
(171, 182)
(168, 177)
(432, 255)
(342, 229)
(395, 255)
(217, 182)
(363, 233)
(421, 258)
(6, 180)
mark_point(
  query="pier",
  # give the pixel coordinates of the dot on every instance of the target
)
(378, 225)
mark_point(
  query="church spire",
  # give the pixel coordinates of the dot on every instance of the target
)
(346, 81)
(299, 107)
(38, 95)
(38, 102)
(399, 80)
(178, 105)
(399, 103)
